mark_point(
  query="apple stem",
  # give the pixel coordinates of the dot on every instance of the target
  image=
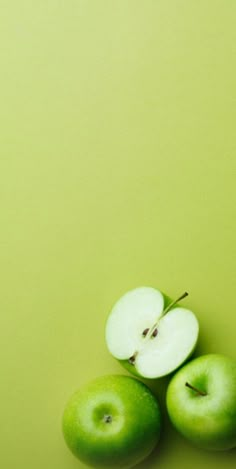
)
(174, 303)
(202, 393)
(153, 331)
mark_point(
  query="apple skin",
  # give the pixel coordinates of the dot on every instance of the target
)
(208, 421)
(133, 371)
(128, 438)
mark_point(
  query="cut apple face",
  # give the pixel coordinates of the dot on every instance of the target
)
(152, 338)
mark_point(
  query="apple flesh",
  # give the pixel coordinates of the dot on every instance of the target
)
(201, 402)
(149, 334)
(112, 422)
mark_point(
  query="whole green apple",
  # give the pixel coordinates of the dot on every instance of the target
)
(150, 334)
(113, 422)
(201, 402)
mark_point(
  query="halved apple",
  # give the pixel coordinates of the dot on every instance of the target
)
(150, 334)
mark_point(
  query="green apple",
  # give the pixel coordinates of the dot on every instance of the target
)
(112, 422)
(201, 402)
(150, 334)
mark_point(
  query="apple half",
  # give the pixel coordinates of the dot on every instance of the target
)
(150, 334)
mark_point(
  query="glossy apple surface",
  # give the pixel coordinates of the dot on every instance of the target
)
(201, 402)
(113, 422)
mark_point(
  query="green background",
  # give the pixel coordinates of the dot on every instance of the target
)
(117, 125)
